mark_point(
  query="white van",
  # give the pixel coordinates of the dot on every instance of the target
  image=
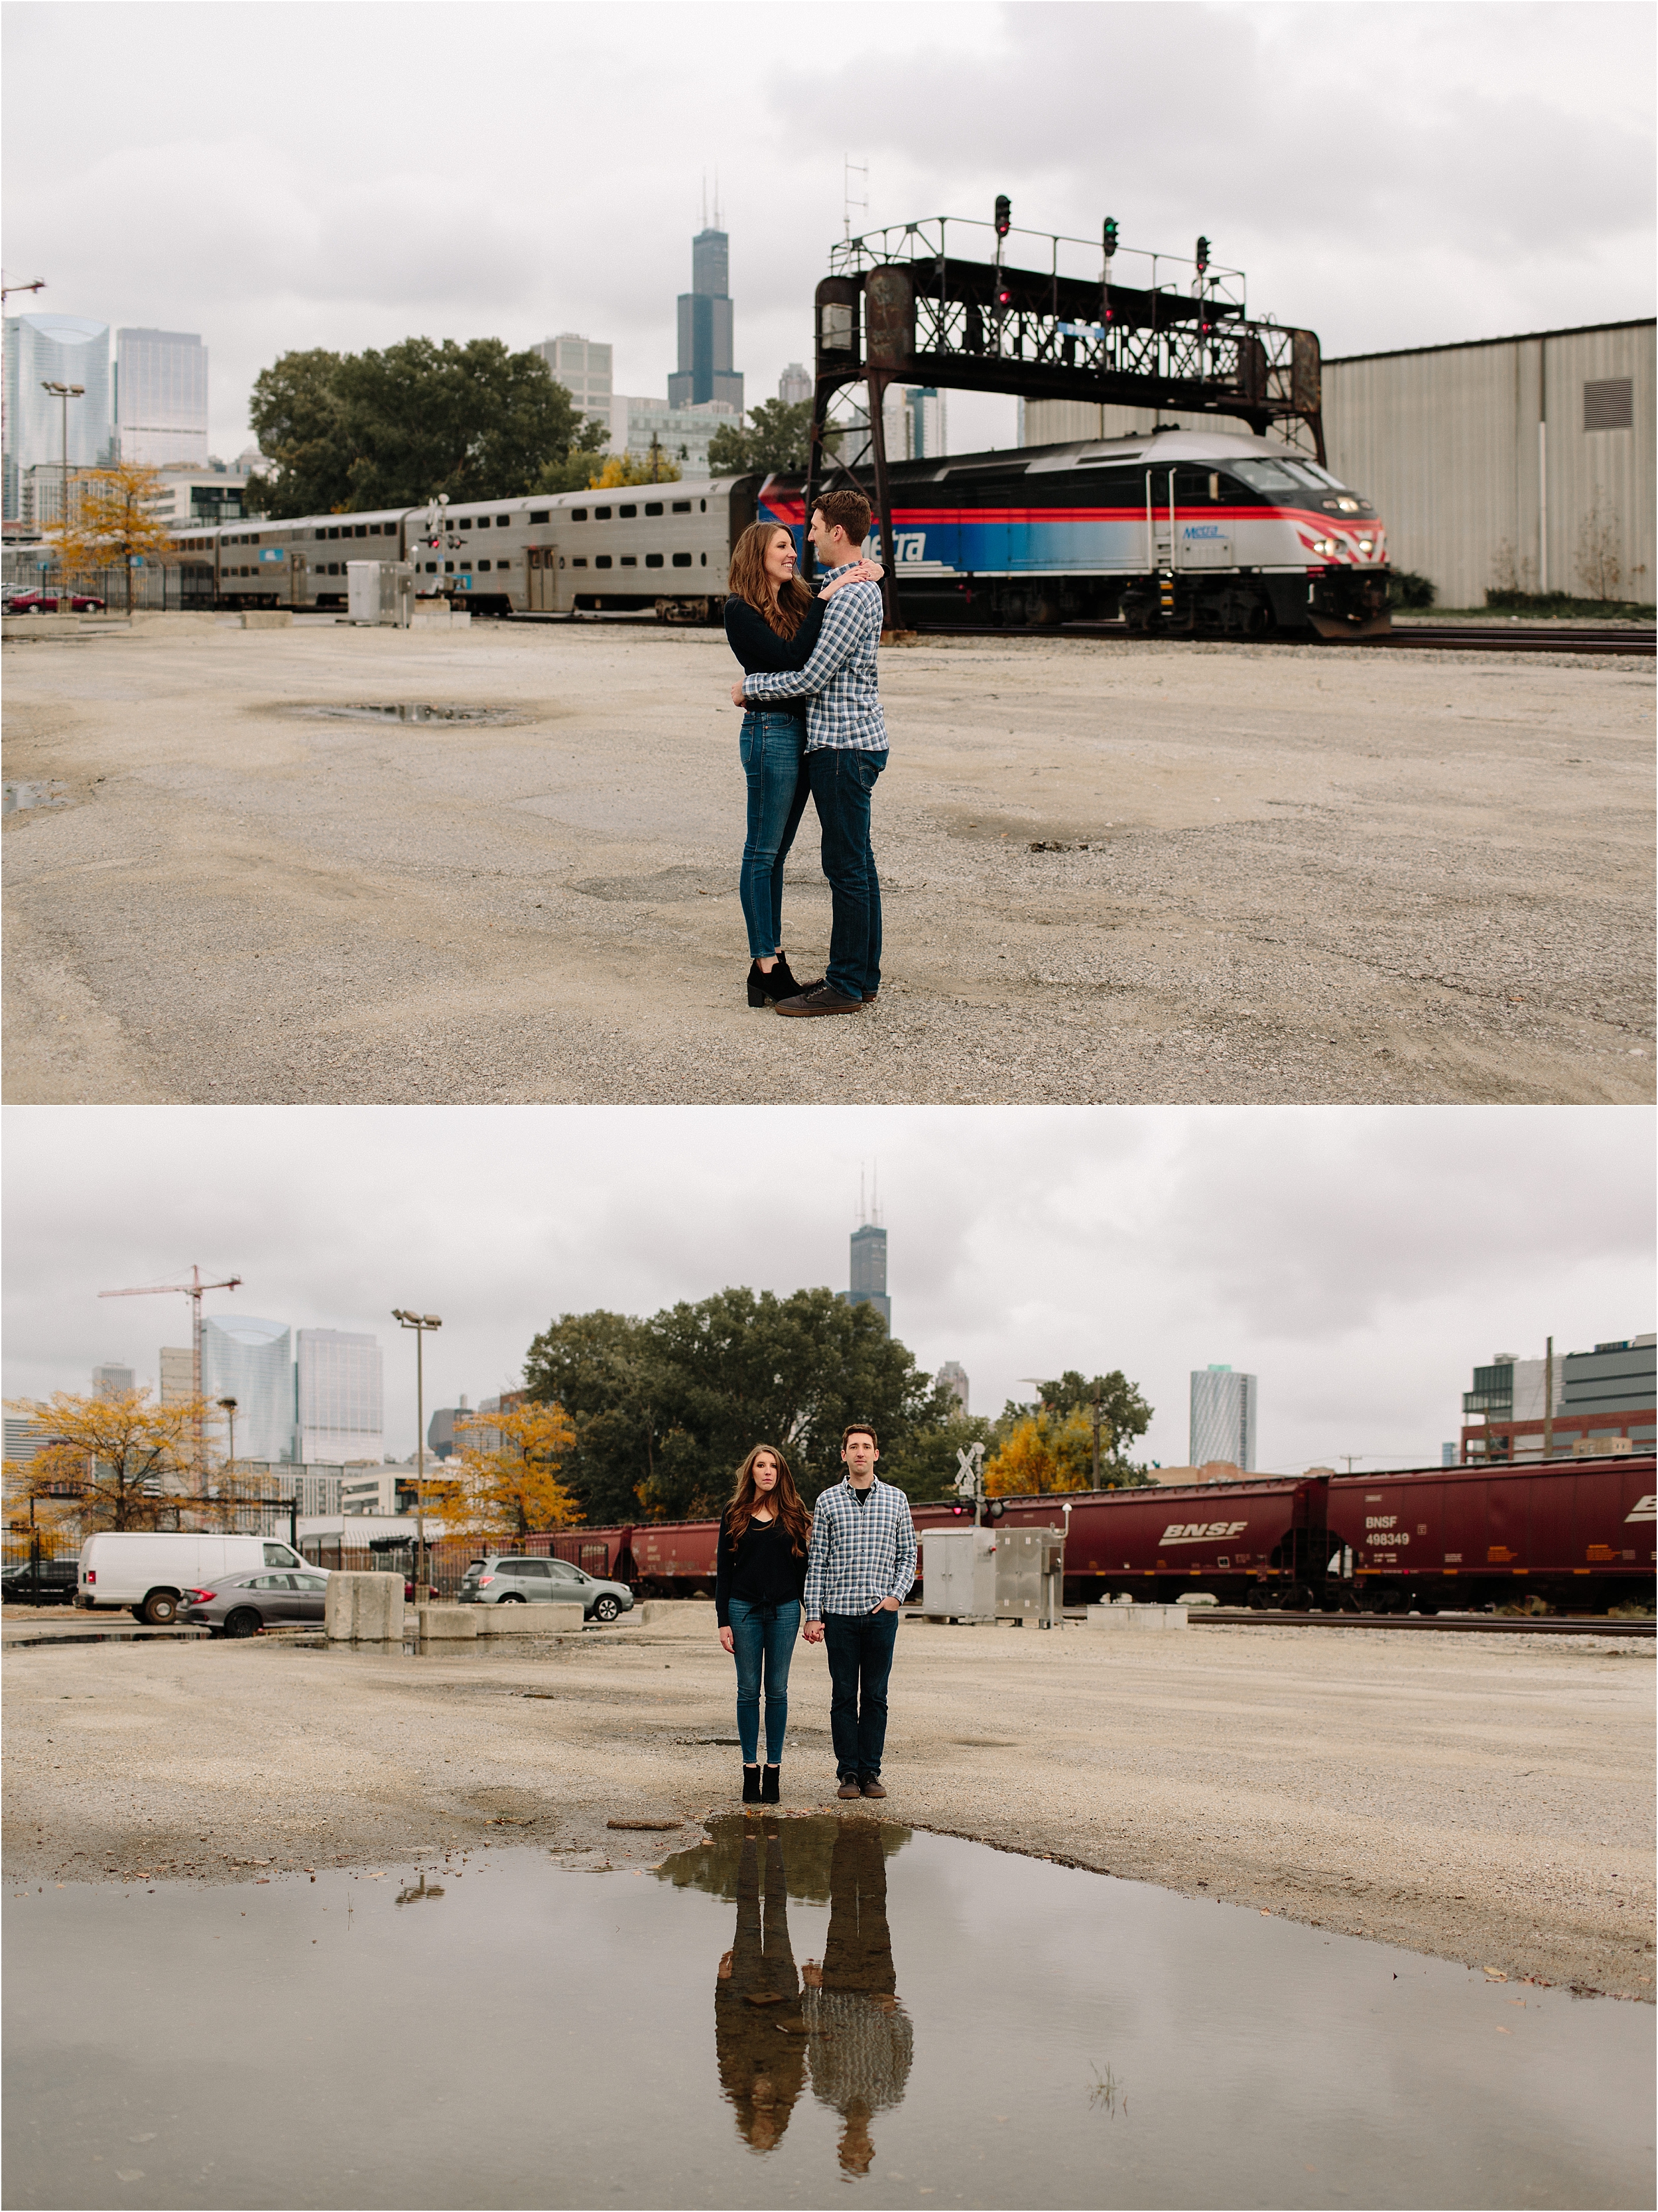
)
(149, 1572)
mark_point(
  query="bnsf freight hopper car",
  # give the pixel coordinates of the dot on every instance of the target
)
(1178, 531)
(1577, 1533)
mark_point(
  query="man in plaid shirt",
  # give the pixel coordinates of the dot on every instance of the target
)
(846, 750)
(859, 1571)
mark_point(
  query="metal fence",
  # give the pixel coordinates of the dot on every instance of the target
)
(155, 588)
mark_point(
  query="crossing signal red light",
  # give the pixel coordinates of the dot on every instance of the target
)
(1003, 215)
(1110, 236)
(1203, 255)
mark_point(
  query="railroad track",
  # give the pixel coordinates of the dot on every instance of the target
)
(1483, 1624)
(1416, 637)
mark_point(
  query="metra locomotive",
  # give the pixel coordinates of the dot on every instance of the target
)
(1177, 532)
(1577, 1533)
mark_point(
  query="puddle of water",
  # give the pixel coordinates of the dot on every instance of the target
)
(409, 711)
(793, 2008)
(19, 796)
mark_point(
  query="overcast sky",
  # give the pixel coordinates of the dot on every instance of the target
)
(1359, 1261)
(277, 176)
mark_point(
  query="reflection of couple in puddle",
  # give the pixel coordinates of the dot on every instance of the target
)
(847, 2023)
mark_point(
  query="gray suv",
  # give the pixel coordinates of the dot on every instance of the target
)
(503, 1579)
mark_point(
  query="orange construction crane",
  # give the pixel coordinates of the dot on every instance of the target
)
(192, 1290)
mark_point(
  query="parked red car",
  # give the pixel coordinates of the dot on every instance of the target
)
(46, 603)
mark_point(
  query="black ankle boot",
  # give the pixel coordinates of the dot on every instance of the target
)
(751, 1785)
(769, 1779)
(766, 988)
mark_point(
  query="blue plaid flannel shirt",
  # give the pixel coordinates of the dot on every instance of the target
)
(843, 704)
(859, 1554)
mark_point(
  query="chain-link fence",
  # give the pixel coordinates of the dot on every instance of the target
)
(157, 587)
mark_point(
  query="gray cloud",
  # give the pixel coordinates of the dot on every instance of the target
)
(1361, 1261)
(295, 175)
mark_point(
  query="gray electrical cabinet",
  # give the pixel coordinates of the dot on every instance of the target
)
(958, 1574)
(380, 591)
(1030, 1576)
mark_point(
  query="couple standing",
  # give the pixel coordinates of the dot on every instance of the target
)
(846, 1567)
(812, 725)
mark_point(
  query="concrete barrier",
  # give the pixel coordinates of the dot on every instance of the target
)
(1137, 1616)
(689, 1612)
(528, 1619)
(267, 618)
(447, 1623)
(363, 1609)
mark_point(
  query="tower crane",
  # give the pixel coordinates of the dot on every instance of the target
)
(192, 1290)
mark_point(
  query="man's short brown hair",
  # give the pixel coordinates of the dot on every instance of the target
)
(860, 1429)
(845, 509)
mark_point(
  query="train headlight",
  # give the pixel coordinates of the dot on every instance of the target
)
(1367, 545)
(1326, 548)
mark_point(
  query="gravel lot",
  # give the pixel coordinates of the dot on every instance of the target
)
(1486, 1799)
(1308, 875)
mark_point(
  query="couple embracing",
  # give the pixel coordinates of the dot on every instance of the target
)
(837, 1574)
(812, 727)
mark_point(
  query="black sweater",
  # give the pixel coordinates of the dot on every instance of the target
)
(762, 653)
(764, 1569)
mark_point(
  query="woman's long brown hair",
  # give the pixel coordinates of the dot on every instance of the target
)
(787, 1501)
(785, 609)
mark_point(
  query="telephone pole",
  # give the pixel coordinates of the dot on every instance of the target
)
(1548, 1398)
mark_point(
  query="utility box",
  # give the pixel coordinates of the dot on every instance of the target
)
(380, 591)
(1030, 1576)
(958, 1574)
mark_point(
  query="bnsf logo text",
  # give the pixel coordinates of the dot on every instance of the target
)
(1201, 1532)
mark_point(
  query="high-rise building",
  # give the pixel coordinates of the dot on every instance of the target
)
(1602, 1400)
(582, 366)
(339, 1396)
(680, 434)
(705, 369)
(58, 349)
(160, 397)
(953, 1376)
(869, 1270)
(178, 1371)
(913, 422)
(112, 1381)
(24, 1438)
(794, 384)
(440, 1439)
(1222, 1418)
(253, 1362)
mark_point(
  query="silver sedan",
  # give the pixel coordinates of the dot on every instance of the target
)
(241, 1605)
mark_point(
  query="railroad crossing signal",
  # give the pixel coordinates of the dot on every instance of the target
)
(1110, 236)
(1003, 215)
(1202, 255)
(970, 1462)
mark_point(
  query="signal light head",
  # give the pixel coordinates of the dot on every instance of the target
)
(1202, 255)
(1110, 236)
(1003, 215)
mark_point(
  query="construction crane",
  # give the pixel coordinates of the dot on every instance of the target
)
(192, 1290)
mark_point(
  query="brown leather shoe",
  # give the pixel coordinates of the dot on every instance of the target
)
(850, 1788)
(822, 1001)
(873, 1788)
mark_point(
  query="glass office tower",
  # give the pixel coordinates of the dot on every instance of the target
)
(340, 1402)
(253, 1362)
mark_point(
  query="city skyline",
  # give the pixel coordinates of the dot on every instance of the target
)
(1452, 248)
(1127, 1238)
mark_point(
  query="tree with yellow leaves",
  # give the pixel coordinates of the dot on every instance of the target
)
(115, 1463)
(621, 470)
(115, 521)
(1046, 1451)
(506, 1484)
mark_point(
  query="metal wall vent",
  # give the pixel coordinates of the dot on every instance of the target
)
(1609, 405)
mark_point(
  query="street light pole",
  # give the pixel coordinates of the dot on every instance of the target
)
(65, 392)
(420, 1324)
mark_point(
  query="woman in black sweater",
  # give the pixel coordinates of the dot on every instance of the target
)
(772, 622)
(760, 1574)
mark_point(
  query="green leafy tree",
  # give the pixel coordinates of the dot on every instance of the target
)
(574, 468)
(665, 1409)
(1043, 1440)
(778, 437)
(395, 428)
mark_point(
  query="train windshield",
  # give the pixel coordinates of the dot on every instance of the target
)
(1282, 474)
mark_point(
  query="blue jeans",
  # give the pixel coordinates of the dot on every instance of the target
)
(763, 1642)
(773, 748)
(842, 783)
(859, 1649)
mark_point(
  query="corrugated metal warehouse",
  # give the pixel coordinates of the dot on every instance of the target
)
(1522, 463)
